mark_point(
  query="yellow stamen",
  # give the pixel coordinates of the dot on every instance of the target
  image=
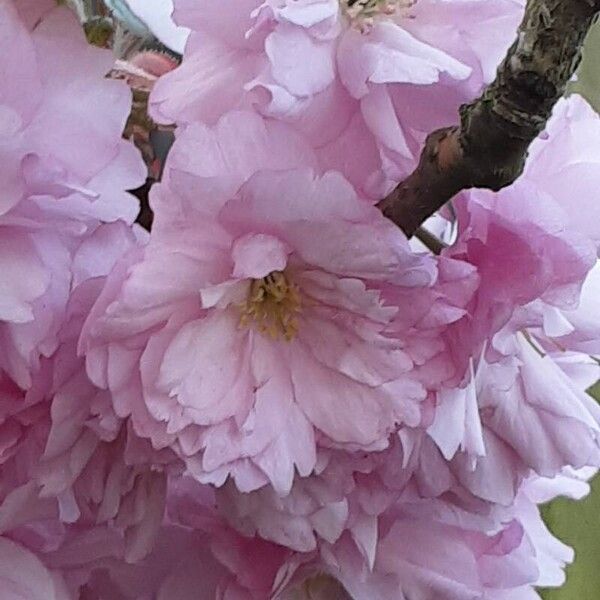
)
(272, 306)
(362, 13)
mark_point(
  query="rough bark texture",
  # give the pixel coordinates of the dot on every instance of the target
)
(489, 148)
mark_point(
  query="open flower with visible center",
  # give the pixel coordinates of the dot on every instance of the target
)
(246, 340)
(363, 80)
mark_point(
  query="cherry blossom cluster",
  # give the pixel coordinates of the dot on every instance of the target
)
(274, 394)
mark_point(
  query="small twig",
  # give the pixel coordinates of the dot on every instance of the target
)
(431, 241)
(146, 216)
(530, 340)
(489, 148)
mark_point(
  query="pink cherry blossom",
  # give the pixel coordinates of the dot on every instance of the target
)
(59, 191)
(435, 548)
(195, 556)
(424, 547)
(525, 241)
(64, 169)
(263, 333)
(69, 464)
(531, 325)
(274, 394)
(363, 83)
(429, 546)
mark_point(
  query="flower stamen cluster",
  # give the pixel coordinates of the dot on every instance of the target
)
(363, 13)
(273, 305)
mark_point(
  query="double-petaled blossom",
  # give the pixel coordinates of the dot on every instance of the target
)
(363, 81)
(67, 465)
(274, 395)
(64, 170)
(527, 345)
(428, 547)
(248, 339)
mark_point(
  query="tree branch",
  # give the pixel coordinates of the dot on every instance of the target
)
(490, 147)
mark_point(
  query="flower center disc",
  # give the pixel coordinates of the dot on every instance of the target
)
(272, 306)
(373, 8)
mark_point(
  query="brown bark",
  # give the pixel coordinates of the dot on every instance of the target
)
(489, 147)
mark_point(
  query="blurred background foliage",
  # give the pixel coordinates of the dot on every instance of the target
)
(578, 523)
(588, 77)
